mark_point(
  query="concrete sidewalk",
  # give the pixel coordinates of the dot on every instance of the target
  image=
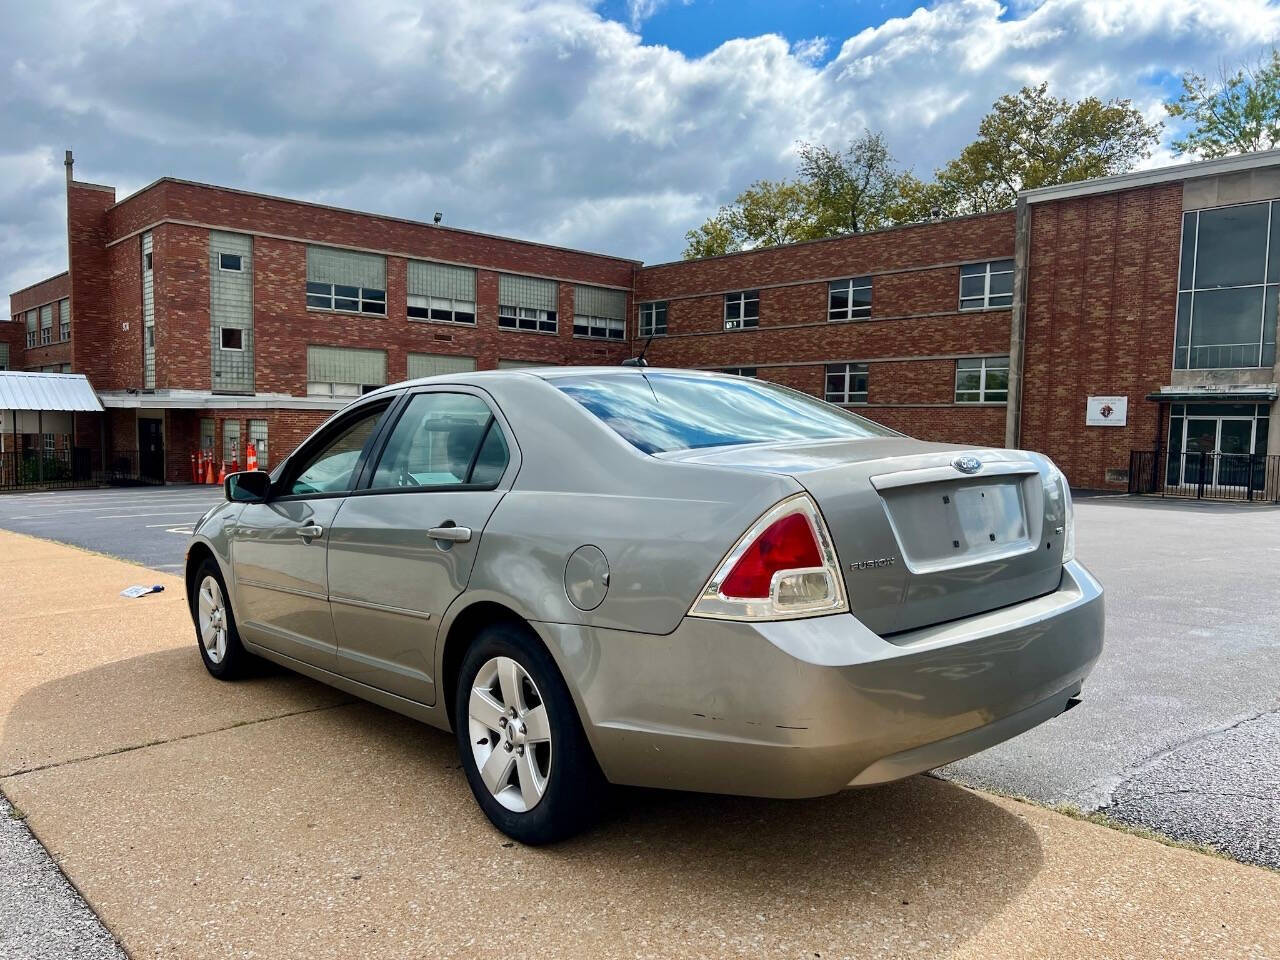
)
(276, 818)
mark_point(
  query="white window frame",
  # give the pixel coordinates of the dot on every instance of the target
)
(984, 364)
(847, 371)
(987, 273)
(610, 328)
(363, 301)
(741, 298)
(222, 263)
(317, 388)
(443, 305)
(527, 319)
(222, 338)
(647, 326)
(751, 372)
(850, 312)
(148, 261)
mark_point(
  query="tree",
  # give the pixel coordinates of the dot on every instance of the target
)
(835, 193)
(1030, 139)
(767, 213)
(852, 190)
(1239, 113)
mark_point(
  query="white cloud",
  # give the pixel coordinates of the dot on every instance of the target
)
(539, 118)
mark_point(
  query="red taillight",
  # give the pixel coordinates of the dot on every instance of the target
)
(787, 544)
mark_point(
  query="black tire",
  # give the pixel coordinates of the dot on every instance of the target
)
(235, 662)
(575, 787)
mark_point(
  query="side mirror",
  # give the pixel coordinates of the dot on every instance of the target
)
(247, 486)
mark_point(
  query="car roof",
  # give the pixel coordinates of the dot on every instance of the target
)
(482, 377)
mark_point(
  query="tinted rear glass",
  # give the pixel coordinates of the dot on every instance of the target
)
(660, 412)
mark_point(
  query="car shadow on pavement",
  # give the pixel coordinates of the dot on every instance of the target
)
(277, 792)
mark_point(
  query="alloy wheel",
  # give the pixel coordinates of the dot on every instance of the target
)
(212, 612)
(510, 734)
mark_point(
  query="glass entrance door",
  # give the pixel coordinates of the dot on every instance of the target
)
(1212, 443)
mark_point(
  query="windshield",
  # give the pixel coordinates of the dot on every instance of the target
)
(660, 411)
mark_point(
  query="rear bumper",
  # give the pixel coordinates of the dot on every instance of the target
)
(806, 707)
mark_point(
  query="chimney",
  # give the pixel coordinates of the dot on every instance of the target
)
(69, 163)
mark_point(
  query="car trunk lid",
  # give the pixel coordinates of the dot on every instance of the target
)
(920, 541)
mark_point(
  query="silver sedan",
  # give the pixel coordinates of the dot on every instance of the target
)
(655, 577)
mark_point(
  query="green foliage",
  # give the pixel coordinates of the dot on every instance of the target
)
(1239, 113)
(56, 470)
(1030, 139)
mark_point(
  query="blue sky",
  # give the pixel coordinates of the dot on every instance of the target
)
(612, 125)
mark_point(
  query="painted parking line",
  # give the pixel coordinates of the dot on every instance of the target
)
(157, 513)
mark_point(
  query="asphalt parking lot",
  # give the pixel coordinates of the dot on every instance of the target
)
(1180, 729)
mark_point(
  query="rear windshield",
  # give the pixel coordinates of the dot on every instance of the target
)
(660, 412)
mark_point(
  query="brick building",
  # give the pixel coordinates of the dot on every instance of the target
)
(1128, 313)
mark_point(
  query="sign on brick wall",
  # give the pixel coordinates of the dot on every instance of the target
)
(1106, 412)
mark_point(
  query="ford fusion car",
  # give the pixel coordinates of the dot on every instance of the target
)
(655, 577)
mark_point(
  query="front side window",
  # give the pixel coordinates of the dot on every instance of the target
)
(601, 328)
(982, 380)
(653, 319)
(526, 318)
(660, 412)
(849, 299)
(847, 383)
(742, 309)
(1228, 285)
(986, 285)
(443, 440)
(444, 309)
(331, 466)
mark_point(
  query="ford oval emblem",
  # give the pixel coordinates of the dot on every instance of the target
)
(967, 464)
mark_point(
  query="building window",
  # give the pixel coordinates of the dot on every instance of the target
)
(338, 296)
(1228, 285)
(739, 371)
(258, 437)
(33, 333)
(346, 281)
(441, 291)
(64, 320)
(527, 303)
(146, 262)
(986, 285)
(46, 325)
(207, 435)
(846, 383)
(229, 261)
(50, 443)
(653, 319)
(982, 380)
(519, 364)
(151, 337)
(232, 338)
(440, 308)
(742, 309)
(600, 313)
(344, 371)
(4, 356)
(849, 299)
(602, 328)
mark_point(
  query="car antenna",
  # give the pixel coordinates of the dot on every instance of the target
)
(640, 360)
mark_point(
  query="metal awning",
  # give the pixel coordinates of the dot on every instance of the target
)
(61, 392)
(1260, 394)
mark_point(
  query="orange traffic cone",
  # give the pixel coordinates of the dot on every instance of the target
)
(250, 457)
(208, 469)
(222, 472)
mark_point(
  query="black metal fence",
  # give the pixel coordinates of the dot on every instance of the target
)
(77, 467)
(1206, 476)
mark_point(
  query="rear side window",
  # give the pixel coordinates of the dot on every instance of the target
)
(443, 440)
(663, 412)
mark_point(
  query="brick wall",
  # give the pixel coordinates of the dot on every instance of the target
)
(915, 301)
(1100, 319)
(49, 291)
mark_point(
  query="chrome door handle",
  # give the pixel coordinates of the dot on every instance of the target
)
(451, 533)
(310, 531)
